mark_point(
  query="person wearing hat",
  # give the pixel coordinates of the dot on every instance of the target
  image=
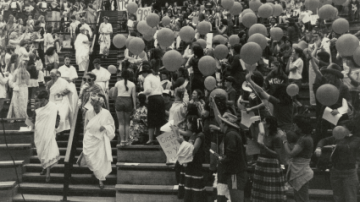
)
(69, 73)
(105, 32)
(232, 167)
(82, 47)
(102, 75)
(156, 106)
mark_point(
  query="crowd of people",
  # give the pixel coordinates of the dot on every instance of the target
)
(246, 117)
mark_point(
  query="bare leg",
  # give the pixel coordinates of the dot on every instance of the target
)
(127, 125)
(120, 116)
(47, 175)
(151, 135)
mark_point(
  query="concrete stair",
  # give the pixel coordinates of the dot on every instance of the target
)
(8, 190)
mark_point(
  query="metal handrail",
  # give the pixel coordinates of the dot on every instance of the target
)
(74, 133)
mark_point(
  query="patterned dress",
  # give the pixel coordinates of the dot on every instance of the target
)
(138, 125)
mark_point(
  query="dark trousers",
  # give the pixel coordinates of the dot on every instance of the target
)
(345, 185)
(303, 194)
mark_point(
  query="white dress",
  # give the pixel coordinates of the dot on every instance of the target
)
(82, 51)
(69, 73)
(105, 40)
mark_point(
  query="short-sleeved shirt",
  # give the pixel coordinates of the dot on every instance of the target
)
(307, 145)
(297, 74)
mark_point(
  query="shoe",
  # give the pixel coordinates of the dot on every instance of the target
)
(43, 172)
(101, 185)
(123, 143)
(152, 142)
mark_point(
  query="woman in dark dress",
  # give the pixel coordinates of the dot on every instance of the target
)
(197, 82)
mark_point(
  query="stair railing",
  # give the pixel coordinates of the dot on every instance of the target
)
(75, 130)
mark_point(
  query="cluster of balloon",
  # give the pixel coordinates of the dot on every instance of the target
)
(136, 46)
(166, 21)
(210, 83)
(132, 7)
(276, 33)
(220, 38)
(277, 10)
(172, 60)
(292, 89)
(234, 39)
(327, 94)
(119, 40)
(207, 65)
(203, 27)
(143, 27)
(187, 34)
(265, 11)
(113, 93)
(340, 132)
(127, 42)
(249, 19)
(202, 43)
(221, 51)
(340, 26)
(347, 44)
(218, 91)
(227, 4)
(236, 8)
(255, 5)
(150, 34)
(327, 12)
(258, 28)
(259, 39)
(165, 37)
(152, 19)
(112, 69)
(251, 53)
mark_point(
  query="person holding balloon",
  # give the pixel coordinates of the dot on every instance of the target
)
(343, 173)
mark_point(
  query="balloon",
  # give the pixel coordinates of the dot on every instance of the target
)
(202, 43)
(148, 37)
(302, 45)
(276, 33)
(259, 39)
(218, 91)
(327, 12)
(221, 51)
(143, 27)
(327, 94)
(113, 93)
(254, 5)
(128, 41)
(152, 19)
(312, 4)
(248, 10)
(220, 38)
(112, 69)
(172, 60)
(249, 19)
(340, 26)
(166, 21)
(277, 10)
(236, 9)
(119, 40)
(210, 83)
(347, 44)
(258, 28)
(207, 65)
(356, 56)
(292, 89)
(136, 45)
(265, 11)
(339, 132)
(132, 7)
(339, 2)
(203, 27)
(251, 53)
(234, 39)
(165, 37)
(227, 4)
(187, 34)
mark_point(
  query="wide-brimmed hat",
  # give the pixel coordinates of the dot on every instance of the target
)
(230, 119)
(333, 69)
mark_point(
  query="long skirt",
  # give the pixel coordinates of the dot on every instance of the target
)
(269, 181)
(191, 182)
(19, 101)
(156, 111)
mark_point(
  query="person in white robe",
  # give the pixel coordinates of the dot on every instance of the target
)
(45, 133)
(99, 131)
(68, 72)
(86, 26)
(82, 47)
(102, 75)
(105, 31)
(59, 94)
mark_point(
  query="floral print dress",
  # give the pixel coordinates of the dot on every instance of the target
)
(138, 125)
